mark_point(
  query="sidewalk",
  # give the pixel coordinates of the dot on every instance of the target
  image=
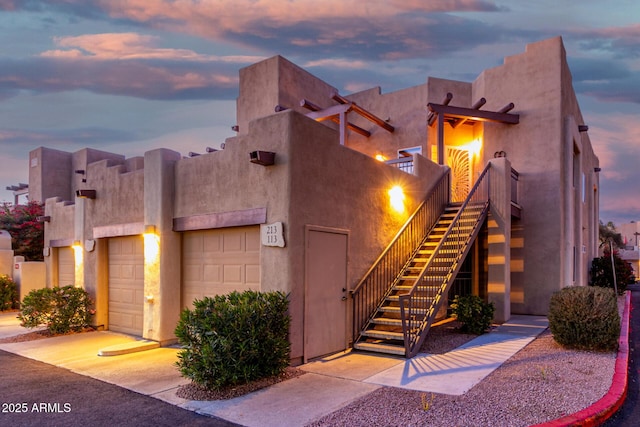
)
(330, 383)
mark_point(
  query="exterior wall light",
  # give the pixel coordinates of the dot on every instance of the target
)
(396, 198)
(151, 245)
(597, 169)
(43, 218)
(264, 158)
(380, 158)
(86, 194)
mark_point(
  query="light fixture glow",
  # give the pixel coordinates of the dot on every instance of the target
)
(151, 248)
(380, 158)
(78, 259)
(474, 147)
(396, 198)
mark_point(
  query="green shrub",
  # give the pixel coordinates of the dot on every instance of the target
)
(585, 317)
(61, 309)
(602, 273)
(474, 314)
(8, 293)
(233, 339)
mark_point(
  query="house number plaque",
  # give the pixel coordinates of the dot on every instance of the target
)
(272, 234)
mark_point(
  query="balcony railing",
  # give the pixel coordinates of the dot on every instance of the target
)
(405, 164)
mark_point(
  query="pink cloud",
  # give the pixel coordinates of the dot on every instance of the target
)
(111, 46)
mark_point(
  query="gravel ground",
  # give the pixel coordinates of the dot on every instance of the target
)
(540, 383)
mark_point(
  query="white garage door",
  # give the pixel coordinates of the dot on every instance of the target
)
(126, 284)
(216, 262)
(66, 267)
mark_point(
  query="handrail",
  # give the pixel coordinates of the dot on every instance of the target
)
(378, 280)
(417, 313)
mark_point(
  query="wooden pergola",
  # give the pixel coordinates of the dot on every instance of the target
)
(457, 116)
(338, 114)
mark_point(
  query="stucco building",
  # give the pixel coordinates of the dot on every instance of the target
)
(369, 209)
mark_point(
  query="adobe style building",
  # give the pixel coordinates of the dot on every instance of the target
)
(371, 210)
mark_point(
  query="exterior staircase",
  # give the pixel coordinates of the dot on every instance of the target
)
(410, 303)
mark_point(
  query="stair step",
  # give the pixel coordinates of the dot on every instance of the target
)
(380, 348)
(395, 309)
(396, 298)
(384, 335)
(389, 321)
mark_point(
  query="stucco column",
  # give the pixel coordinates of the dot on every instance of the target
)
(499, 236)
(162, 267)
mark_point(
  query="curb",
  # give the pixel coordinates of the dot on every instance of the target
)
(609, 404)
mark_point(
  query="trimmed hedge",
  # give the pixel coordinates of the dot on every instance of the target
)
(585, 318)
(233, 339)
(8, 293)
(474, 314)
(62, 310)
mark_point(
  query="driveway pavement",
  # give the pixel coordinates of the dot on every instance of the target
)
(33, 393)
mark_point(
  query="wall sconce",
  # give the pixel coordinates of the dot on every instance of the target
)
(43, 218)
(597, 169)
(86, 194)
(264, 158)
(499, 154)
(583, 128)
(79, 171)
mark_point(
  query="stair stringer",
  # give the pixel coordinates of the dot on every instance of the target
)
(438, 300)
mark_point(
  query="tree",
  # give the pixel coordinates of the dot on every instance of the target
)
(602, 273)
(608, 233)
(27, 234)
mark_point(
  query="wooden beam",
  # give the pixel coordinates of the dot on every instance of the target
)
(476, 115)
(316, 109)
(364, 113)
(479, 103)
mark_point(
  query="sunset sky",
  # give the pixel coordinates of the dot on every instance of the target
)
(126, 76)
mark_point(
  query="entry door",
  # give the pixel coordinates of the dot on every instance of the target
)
(459, 160)
(325, 320)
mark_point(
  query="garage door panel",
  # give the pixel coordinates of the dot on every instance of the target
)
(228, 260)
(66, 266)
(126, 284)
(212, 273)
(212, 243)
(252, 274)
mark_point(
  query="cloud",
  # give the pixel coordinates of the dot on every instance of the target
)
(616, 141)
(124, 64)
(606, 80)
(376, 29)
(619, 42)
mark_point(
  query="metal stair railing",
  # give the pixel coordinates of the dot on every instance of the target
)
(419, 306)
(379, 280)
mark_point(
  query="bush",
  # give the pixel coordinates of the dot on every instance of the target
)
(474, 314)
(602, 273)
(233, 339)
(585, 318)
(8, 293)
(62, 310)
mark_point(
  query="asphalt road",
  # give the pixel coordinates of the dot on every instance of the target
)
(33, 393)
(629, 414)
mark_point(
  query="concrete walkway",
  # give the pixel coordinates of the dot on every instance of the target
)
(330, 383)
